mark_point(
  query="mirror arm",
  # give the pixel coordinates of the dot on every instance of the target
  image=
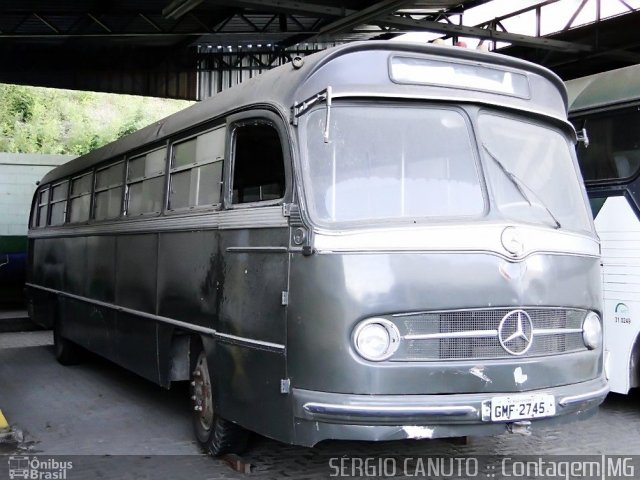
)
(582, 137)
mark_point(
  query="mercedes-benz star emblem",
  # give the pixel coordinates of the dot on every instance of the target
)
(515, 332)
(512, 241)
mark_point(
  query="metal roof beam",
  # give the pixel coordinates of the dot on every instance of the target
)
(481, 33)
(362, 16)
(288, 6)
(178, 8)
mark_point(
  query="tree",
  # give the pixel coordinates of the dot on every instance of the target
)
(45, 120)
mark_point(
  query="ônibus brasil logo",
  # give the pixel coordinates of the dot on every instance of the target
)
(22, 466)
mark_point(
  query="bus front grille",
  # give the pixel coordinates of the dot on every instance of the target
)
(473, 334)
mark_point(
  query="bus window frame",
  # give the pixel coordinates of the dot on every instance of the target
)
(52, 202)
(126, 182)
(90, 193)
(97, 190)
(38, 206)
(169, 171)
(582, 119)
(469, 114)
(279, 125)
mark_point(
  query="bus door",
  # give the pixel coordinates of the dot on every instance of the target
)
(254, 235)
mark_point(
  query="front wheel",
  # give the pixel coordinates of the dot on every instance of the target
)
(215, 434)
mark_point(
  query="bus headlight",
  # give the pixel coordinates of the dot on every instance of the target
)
(592, 331)
(376, 339)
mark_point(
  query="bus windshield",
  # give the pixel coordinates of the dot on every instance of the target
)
(391, 163)
(532, 173)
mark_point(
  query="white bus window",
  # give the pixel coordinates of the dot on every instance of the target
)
(43, 208)
(80, 202)
(196, 171)
(145, 182)
(258, 169)
(108, 197)
(614, 149)
(58, 203)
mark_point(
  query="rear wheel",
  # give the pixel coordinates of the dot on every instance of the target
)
(66, 352)
(215, 434)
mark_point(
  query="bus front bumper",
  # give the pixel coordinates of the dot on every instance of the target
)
(321, 415)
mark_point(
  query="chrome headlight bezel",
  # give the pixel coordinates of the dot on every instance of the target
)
(592, 331)
(393, 338)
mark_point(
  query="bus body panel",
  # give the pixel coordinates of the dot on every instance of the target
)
(249, 355)
(322, 316)
(249, 385)
(621, 275)
(190, 276)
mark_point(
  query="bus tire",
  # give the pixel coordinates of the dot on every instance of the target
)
(634, 365)
(66, 352)
(216, 435)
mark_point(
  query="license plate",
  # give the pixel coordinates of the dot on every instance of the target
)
(519, 407)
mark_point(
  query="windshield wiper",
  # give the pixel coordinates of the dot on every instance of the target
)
(520, 185)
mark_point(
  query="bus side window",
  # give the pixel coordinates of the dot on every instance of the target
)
(613, 152)
(42, 208)
(108, 196)
(196, 171)
(58, 203)
(80, 199)
(258, 169)
(145, 182)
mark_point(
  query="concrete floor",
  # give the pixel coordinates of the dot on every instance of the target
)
(126, 427)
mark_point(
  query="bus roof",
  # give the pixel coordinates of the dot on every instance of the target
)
(614, 87)
(284, 85)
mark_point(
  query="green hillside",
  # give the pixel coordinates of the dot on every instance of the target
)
(46, 120)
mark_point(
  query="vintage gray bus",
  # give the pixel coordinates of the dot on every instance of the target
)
(607, 106)
(379, 241)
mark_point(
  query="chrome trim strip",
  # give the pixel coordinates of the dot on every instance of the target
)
(583, 397)
(459, 252)
(387, 411)
(258, 217)
(250, 341)
(241, 341)
(456, 238)
(487, 333)
(481, 309)
(463, 334)
(477, 97)
(555, 331)
(131, 311)
(257, 250)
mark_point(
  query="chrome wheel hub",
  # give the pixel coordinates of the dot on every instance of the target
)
(201, 393)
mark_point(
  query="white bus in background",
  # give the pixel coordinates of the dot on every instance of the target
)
(19, 174)
(607, 107)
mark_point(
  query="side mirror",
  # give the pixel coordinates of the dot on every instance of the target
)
(582, 137)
